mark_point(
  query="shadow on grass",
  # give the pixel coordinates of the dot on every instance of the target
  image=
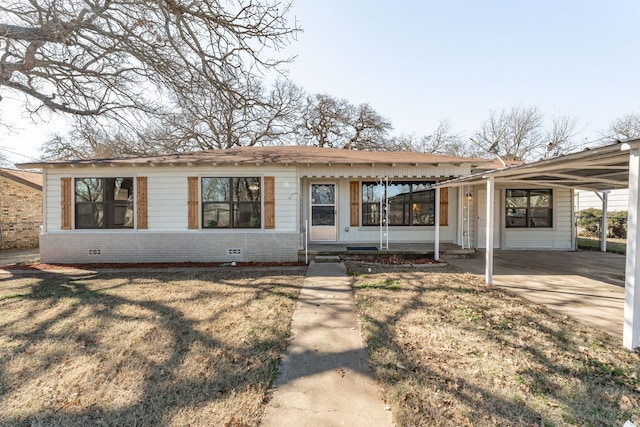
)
(450, 350)
(169, 342)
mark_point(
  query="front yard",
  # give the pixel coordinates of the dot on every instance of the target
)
(201, 348)
(452, 351)
(131, 348)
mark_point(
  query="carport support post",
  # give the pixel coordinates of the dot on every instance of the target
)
(436, 244)
(604, 228)
(631, 333)
(489, 243)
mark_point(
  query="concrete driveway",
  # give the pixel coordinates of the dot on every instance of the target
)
(586, 285)
(16, 256)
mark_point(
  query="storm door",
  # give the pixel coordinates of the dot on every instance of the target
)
(323, 213)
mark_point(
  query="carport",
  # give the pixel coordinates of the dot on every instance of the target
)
(615, 166)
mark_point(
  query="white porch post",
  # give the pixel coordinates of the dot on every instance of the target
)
(436, 243)
(489, 236)
(604, 226)
(631, 332)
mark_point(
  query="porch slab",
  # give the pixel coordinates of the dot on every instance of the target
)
(370, 251)
(586, 285)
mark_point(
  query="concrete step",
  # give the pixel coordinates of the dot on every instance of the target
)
(327, 258)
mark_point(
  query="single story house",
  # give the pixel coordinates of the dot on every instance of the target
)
(20, 209)
(251, 204)
(264, 203)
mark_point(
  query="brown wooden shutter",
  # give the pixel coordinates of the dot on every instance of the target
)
(354, 197)
(444, 206)
(192, 201)
(269, 202)
(141, 202)
(65, 203)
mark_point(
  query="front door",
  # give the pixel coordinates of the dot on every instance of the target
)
(323, 213)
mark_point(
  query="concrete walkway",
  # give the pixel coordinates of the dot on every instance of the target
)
(586, 285)
(325, 378)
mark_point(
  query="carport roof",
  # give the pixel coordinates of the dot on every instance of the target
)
(596, 169)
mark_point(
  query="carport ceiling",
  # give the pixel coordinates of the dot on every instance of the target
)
(598, 169)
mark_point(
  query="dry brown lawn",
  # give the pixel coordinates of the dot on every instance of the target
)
(201, 348)
(452, 351)
(142, 348)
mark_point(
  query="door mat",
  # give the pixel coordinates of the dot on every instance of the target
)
(362, 248)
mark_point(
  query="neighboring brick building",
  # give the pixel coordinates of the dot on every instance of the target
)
(20, 209)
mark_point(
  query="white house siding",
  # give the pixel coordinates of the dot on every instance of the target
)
(167, 237)
(559, 237)
(618, 200)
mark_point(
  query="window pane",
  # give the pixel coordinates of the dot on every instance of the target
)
(119, 189)
(540, 198)
(246, 189)
(322, 215)
(89, 215)
(119, 214)
(216, 189)
(541, 217)
(516, 217)
(398, 214)
(215, 215)
(422, 208)
(370, 213)
(88, 190)
(246, 215)
(399, 192)
(517, 198)
(371, 192)
(323, 194)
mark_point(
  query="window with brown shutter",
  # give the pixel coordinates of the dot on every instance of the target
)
(141, 202)
(269, 202)
(65, 203)
(354, 197)
(444, 206)
(192, 202)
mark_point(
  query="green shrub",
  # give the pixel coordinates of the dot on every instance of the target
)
(589, 223)
(617, 222)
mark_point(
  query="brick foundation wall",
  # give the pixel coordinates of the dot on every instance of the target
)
(20, 215)
(107, 247)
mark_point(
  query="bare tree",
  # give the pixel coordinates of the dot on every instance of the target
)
(332, 122)
(519, 134)
(444, 140)
(111, 57)
(88, 139)
(323, 120)
(214, 121)
(366, 129)
(201, 122)
(626, 127)
(558, 138)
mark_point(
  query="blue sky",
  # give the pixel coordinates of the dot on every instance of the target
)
(418, 62)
